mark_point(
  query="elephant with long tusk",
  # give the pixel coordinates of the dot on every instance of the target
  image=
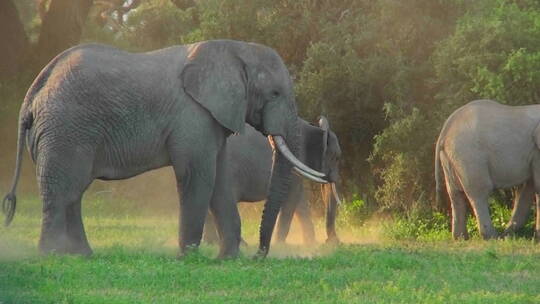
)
(249, 166)
(97, 112)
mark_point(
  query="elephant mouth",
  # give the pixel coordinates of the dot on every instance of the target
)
(279, 142)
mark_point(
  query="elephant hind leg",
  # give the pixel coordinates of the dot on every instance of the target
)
(78, 243)
(458, 201)
(210, 233)
(61, 183)
(474, 178)
(459, 214)
(479, 202)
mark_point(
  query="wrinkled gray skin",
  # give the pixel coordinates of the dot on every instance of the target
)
(96, 112)
(249, 165)
(484, 146)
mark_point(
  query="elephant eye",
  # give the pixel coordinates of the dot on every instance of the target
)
(275, 94)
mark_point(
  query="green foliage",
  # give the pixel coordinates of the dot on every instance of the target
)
(399, 158)
(158, 23)
(494, 53)
(352, 213)
(418, 226)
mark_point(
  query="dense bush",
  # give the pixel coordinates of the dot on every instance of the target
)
(492, 53)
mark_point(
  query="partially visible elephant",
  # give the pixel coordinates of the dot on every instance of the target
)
(96, 112)
(249, 166)
(484, 146)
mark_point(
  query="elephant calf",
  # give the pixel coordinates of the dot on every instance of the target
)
(484, 146)
(249, 167)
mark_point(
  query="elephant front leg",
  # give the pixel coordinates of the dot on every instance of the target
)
(225, 210)
(288, 208)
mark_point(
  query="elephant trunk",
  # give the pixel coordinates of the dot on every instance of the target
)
(280, 183)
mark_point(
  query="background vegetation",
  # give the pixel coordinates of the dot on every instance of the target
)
(386, 73)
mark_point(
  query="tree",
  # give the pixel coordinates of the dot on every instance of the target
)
(14, 40)
(61, 27)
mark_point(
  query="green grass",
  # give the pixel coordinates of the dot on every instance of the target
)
(135, 262)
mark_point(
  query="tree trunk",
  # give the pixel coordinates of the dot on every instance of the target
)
(14, 40)
(183, 4)
(61, 27)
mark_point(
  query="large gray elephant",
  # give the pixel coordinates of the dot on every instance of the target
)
(96, 112)
(484, 146)
(249, 166)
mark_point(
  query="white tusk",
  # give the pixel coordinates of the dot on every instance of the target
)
(282, 147)
(309, 176)
(334, 191)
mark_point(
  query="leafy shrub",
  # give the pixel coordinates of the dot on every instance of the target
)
(399, 159)
(352, 213)
(418, 226)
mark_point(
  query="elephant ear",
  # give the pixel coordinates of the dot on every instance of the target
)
(215, 77)
(314, 141)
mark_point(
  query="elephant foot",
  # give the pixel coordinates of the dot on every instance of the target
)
(460, 235)
(508, 233)
(79, 249)
(489, 234)
(56, 245)
(230, 248)
(63, 246)
(187, 251)
(228, 254)
(334, 241)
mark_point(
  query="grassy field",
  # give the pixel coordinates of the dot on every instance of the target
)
(134, 262)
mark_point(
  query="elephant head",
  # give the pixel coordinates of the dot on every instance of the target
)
(321, 151)
(241, 82)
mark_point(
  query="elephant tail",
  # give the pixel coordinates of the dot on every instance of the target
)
(10, 200)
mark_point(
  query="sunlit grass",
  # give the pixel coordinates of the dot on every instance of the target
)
(135, 262)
